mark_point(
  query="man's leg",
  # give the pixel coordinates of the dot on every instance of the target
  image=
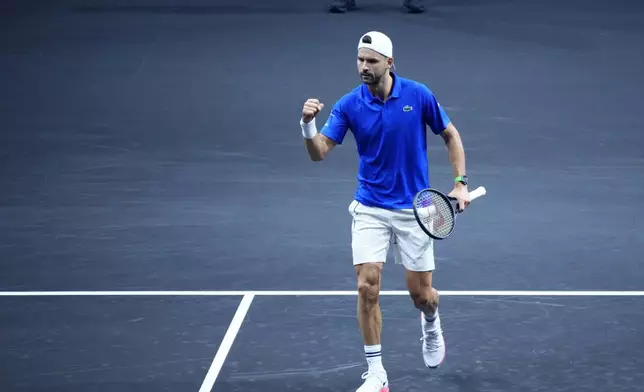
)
(369, 276)
(415, 250)
(370, 243)
(424, 296)
(426, 299)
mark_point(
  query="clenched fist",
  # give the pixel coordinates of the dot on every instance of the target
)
(311, 108)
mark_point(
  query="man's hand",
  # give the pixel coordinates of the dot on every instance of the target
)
(311, 108)
(462, 195)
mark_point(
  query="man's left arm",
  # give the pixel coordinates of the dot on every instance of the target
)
(455, 149)
(456, 153)
(440, 123)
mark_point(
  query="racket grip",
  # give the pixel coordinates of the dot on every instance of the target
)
(478, 192)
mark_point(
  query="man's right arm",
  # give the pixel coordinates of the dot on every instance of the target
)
(318, 144)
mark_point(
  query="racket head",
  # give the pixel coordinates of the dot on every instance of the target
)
(435, 213)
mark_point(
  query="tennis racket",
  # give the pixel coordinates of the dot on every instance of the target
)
(436, 212)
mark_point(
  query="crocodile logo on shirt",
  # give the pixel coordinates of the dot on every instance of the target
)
(407, 108)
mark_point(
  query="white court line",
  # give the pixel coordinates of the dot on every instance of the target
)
(226, 344)
(170, 293)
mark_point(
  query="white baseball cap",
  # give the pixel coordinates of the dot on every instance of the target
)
(378, 42)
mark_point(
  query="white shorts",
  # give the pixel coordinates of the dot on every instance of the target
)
(374, 230)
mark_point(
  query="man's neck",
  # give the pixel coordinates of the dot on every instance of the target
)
(383, 89)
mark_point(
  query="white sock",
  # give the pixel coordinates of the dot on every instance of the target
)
(430, 317)
(374, 358)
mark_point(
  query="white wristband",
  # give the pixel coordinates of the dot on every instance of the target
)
(308, 130)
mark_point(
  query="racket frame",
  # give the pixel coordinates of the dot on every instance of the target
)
(476, 193)
(450, 203)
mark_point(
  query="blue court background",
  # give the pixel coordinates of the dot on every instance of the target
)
(155, 145)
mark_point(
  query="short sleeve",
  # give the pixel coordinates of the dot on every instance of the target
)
(337, 125)
(433, 114)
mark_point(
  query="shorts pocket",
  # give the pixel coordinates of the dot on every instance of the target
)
(353, 206)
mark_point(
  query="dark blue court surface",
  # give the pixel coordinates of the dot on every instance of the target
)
(110, 344)
(310, 344)
(155, 145)
(494, 344)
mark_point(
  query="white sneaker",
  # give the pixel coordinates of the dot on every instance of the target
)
(374, 382)
(433, 342)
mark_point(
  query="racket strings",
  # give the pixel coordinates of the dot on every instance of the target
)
(435, 212)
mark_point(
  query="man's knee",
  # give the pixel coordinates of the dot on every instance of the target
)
(422, 293)
(424, 297)
(369, 276)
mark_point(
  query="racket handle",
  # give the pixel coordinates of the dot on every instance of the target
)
(478, 192)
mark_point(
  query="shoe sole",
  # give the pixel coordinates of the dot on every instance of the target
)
(441, 362)
(385, 389)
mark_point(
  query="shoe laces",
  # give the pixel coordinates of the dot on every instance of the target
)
(432, 341)
(369, 374)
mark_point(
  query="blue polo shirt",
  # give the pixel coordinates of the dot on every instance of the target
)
(391, 139)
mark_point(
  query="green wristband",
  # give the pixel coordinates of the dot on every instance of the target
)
(462, 179)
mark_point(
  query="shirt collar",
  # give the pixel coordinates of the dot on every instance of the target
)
(395, 89)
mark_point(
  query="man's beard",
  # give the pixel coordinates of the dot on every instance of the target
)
(370, 78)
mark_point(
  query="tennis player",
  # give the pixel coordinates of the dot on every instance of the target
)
(388, 116)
